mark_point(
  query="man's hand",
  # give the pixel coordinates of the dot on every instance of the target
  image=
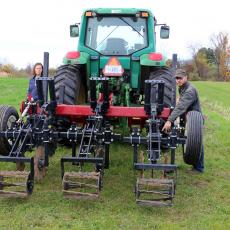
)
(167, 126)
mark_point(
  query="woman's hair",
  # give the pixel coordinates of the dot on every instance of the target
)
(38, 63)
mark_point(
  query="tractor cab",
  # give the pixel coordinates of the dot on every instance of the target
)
(125, 35)
(118, 36)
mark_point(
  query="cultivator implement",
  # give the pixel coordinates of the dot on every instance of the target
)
(82, 172)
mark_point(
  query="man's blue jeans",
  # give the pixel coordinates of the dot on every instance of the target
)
(200, 164)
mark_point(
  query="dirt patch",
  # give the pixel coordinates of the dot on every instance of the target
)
(201, 184)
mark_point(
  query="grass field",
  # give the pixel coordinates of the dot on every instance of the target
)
(202, 201)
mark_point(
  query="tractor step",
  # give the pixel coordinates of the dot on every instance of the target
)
(81, 185)
(154, 192)
(15, 184)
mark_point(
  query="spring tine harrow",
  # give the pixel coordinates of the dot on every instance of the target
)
(81, 185)
(154, 192)
(17, 183)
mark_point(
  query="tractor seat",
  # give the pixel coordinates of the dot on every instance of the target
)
(116, 46)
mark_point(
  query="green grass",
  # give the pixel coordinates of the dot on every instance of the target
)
(201, 202)
(13, 91)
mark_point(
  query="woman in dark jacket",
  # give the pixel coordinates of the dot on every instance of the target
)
(32, 95)
(32, 90)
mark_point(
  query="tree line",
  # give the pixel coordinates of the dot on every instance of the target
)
(9, 70)
(207, 63)
(210, 63)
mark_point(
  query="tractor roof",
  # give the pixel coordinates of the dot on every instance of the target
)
(116, 11)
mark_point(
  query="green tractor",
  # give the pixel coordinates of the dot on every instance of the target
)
(115, 43)
(119, 45)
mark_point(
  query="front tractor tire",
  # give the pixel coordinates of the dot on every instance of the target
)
(194, 132)
(69, 88)
(166, 75)
(8, 115)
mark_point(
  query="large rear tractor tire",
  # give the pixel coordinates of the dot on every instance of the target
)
(166, 75)
(8, 115)
(69, 77)
(194, 141)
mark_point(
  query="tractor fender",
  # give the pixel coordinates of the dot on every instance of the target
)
(146, 61)
(79, 58)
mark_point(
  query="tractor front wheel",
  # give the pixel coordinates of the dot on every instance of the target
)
(194, 132)
(8, 115)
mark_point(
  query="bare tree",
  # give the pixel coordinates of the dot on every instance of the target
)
(194, 50)
(199, 60)
(220, 43)
(29, 68)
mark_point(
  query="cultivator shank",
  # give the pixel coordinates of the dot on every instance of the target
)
(157, 190)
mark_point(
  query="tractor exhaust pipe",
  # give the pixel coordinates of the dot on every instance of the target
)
(45, 75)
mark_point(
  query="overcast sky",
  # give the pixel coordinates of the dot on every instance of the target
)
(29, 27)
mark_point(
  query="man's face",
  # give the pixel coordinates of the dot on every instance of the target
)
(180, 81)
